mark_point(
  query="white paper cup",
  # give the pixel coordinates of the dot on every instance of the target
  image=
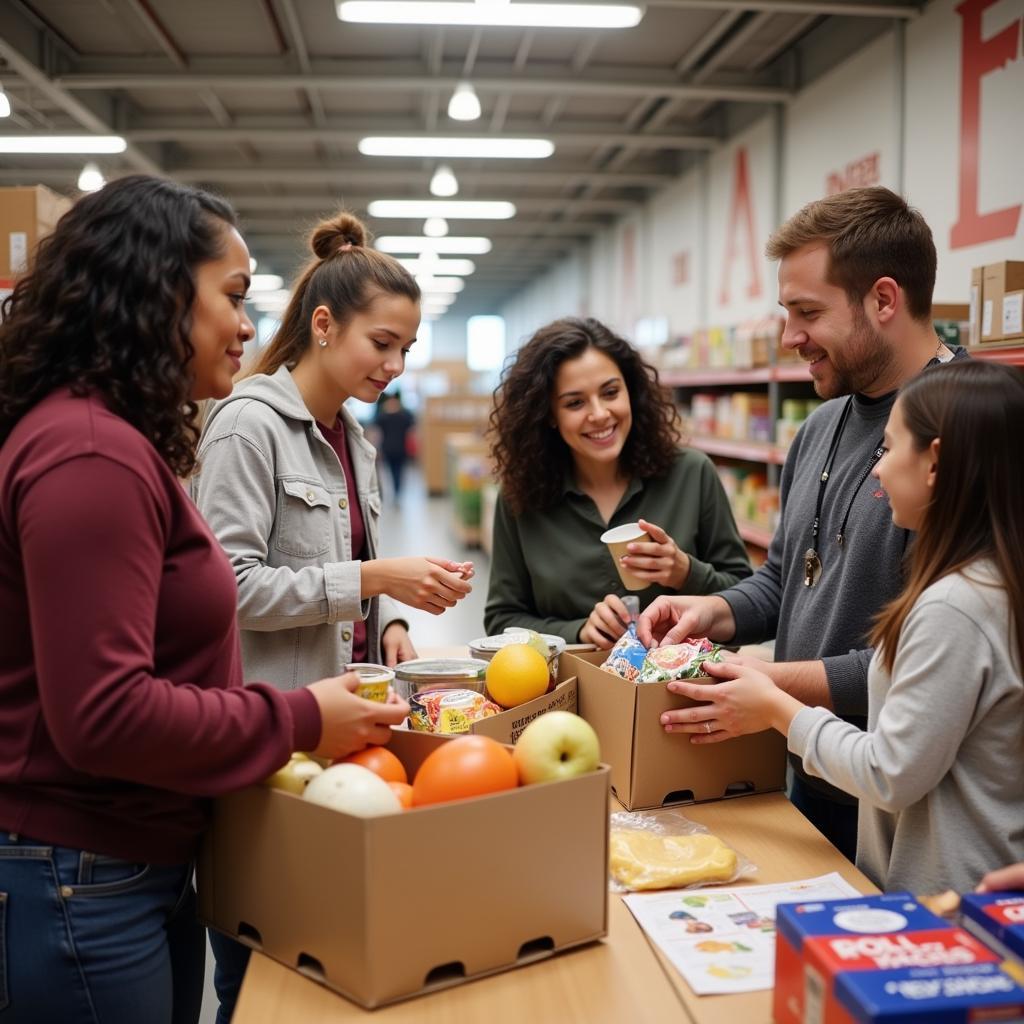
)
(617, 539)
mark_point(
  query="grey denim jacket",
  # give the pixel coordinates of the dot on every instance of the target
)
(273, 491)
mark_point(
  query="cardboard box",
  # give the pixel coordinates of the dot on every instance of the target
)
(1013, 316)
(997, 918)
(651, 767)
(382, 909)
(798, 923)
(844, 973)
(998, 279)
(26, 215)
(509, 725)
(974, 308)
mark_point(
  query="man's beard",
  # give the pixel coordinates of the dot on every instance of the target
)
(864, 359)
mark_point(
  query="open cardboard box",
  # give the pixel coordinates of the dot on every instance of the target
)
(650, 767)
(381, 909)
(508, 726)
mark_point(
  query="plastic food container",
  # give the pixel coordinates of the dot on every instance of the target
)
(440, 674)
(486, 646)
(448, 711)
(374, 680)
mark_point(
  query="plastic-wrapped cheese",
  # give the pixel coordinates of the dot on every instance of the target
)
(645, 860)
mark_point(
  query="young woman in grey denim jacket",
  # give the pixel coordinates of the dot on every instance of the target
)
(274, 488)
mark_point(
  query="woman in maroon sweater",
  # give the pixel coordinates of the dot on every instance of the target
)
(121, 700)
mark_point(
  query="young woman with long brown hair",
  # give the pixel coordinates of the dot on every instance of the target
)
(940, 770)
(584, 439)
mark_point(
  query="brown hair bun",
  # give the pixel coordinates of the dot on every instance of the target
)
(332, 235)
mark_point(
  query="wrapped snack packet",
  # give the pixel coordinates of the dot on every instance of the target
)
(627, 656)
(678, 661)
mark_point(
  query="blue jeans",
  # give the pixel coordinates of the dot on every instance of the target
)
(90, 939)
(836, 821)
(231, 959)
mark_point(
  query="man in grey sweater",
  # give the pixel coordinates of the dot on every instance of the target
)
(856, 276)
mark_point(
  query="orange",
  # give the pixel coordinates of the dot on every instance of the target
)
(380, 761)
(404, 793)
(464, 767)
(517, 673)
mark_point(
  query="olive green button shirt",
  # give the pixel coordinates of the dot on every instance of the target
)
(549, 568)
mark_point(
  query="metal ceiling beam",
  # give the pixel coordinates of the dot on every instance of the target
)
(590, 135)
(304, 175)
(834, 7)
(33, 75)
(634, 82)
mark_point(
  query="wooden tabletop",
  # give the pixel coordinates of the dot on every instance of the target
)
(621, 979)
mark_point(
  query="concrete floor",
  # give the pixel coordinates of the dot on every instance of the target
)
(417, 526)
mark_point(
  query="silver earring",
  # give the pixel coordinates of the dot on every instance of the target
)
(323, 343)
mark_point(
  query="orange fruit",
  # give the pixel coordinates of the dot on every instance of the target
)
(464, 767)
(517, 673)
(404, 793)
(380, 761)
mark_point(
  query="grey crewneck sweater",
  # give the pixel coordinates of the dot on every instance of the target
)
(940, 771)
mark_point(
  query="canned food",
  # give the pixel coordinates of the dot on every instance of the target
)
(440, 674)
(487, 646)
(374, 680)
(448, 711)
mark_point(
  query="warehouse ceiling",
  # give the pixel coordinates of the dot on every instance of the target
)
(265, 102)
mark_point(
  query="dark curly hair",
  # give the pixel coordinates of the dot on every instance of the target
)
(107, 309)
(531, 459)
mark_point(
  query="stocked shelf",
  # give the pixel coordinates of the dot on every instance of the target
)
(756, 535)
(1012, 353)
(725, 376)
(751, 451)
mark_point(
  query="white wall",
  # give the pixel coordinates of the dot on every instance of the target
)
(873, 118)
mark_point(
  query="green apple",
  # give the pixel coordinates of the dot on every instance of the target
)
(295, 775)
(557, 745)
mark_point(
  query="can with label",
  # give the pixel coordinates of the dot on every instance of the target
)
(374, 680)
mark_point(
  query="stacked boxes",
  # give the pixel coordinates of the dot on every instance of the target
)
(997, 302)
(26, 215)
(885, 958)
(997, 918)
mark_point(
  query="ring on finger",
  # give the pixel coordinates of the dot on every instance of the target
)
(707, 725)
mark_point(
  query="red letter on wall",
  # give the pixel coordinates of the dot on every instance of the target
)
(978, 58)
(742, 204)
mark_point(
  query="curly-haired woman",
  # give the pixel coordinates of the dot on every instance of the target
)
(584, 439)
(121, 697)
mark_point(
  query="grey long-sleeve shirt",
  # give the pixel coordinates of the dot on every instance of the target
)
(940, 771)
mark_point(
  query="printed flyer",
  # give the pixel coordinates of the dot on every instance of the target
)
(723, 940)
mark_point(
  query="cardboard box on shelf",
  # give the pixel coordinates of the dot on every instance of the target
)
(974, 308)
(382, 909)
(1013, 316)
(444, 415)
(998, 279)
(651, 767)
(27, 214)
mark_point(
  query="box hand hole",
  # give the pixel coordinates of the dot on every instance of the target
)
(678, 796)
(249, 936)
(311, 967)
(738, 788)
(535, 949)
(445, 973)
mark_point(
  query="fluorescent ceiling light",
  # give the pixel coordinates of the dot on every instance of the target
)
(471, 245)
(62, 144)
(521, 15)
(252, 264)
(444, 183)
(448, 147)
(474, 209)
(91, 178)
(458, 268)
(266, 283)
(5, 103)
(464, 104)
(435, 227)
(440, 285)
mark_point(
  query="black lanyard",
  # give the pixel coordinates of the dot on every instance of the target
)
(812, 560)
